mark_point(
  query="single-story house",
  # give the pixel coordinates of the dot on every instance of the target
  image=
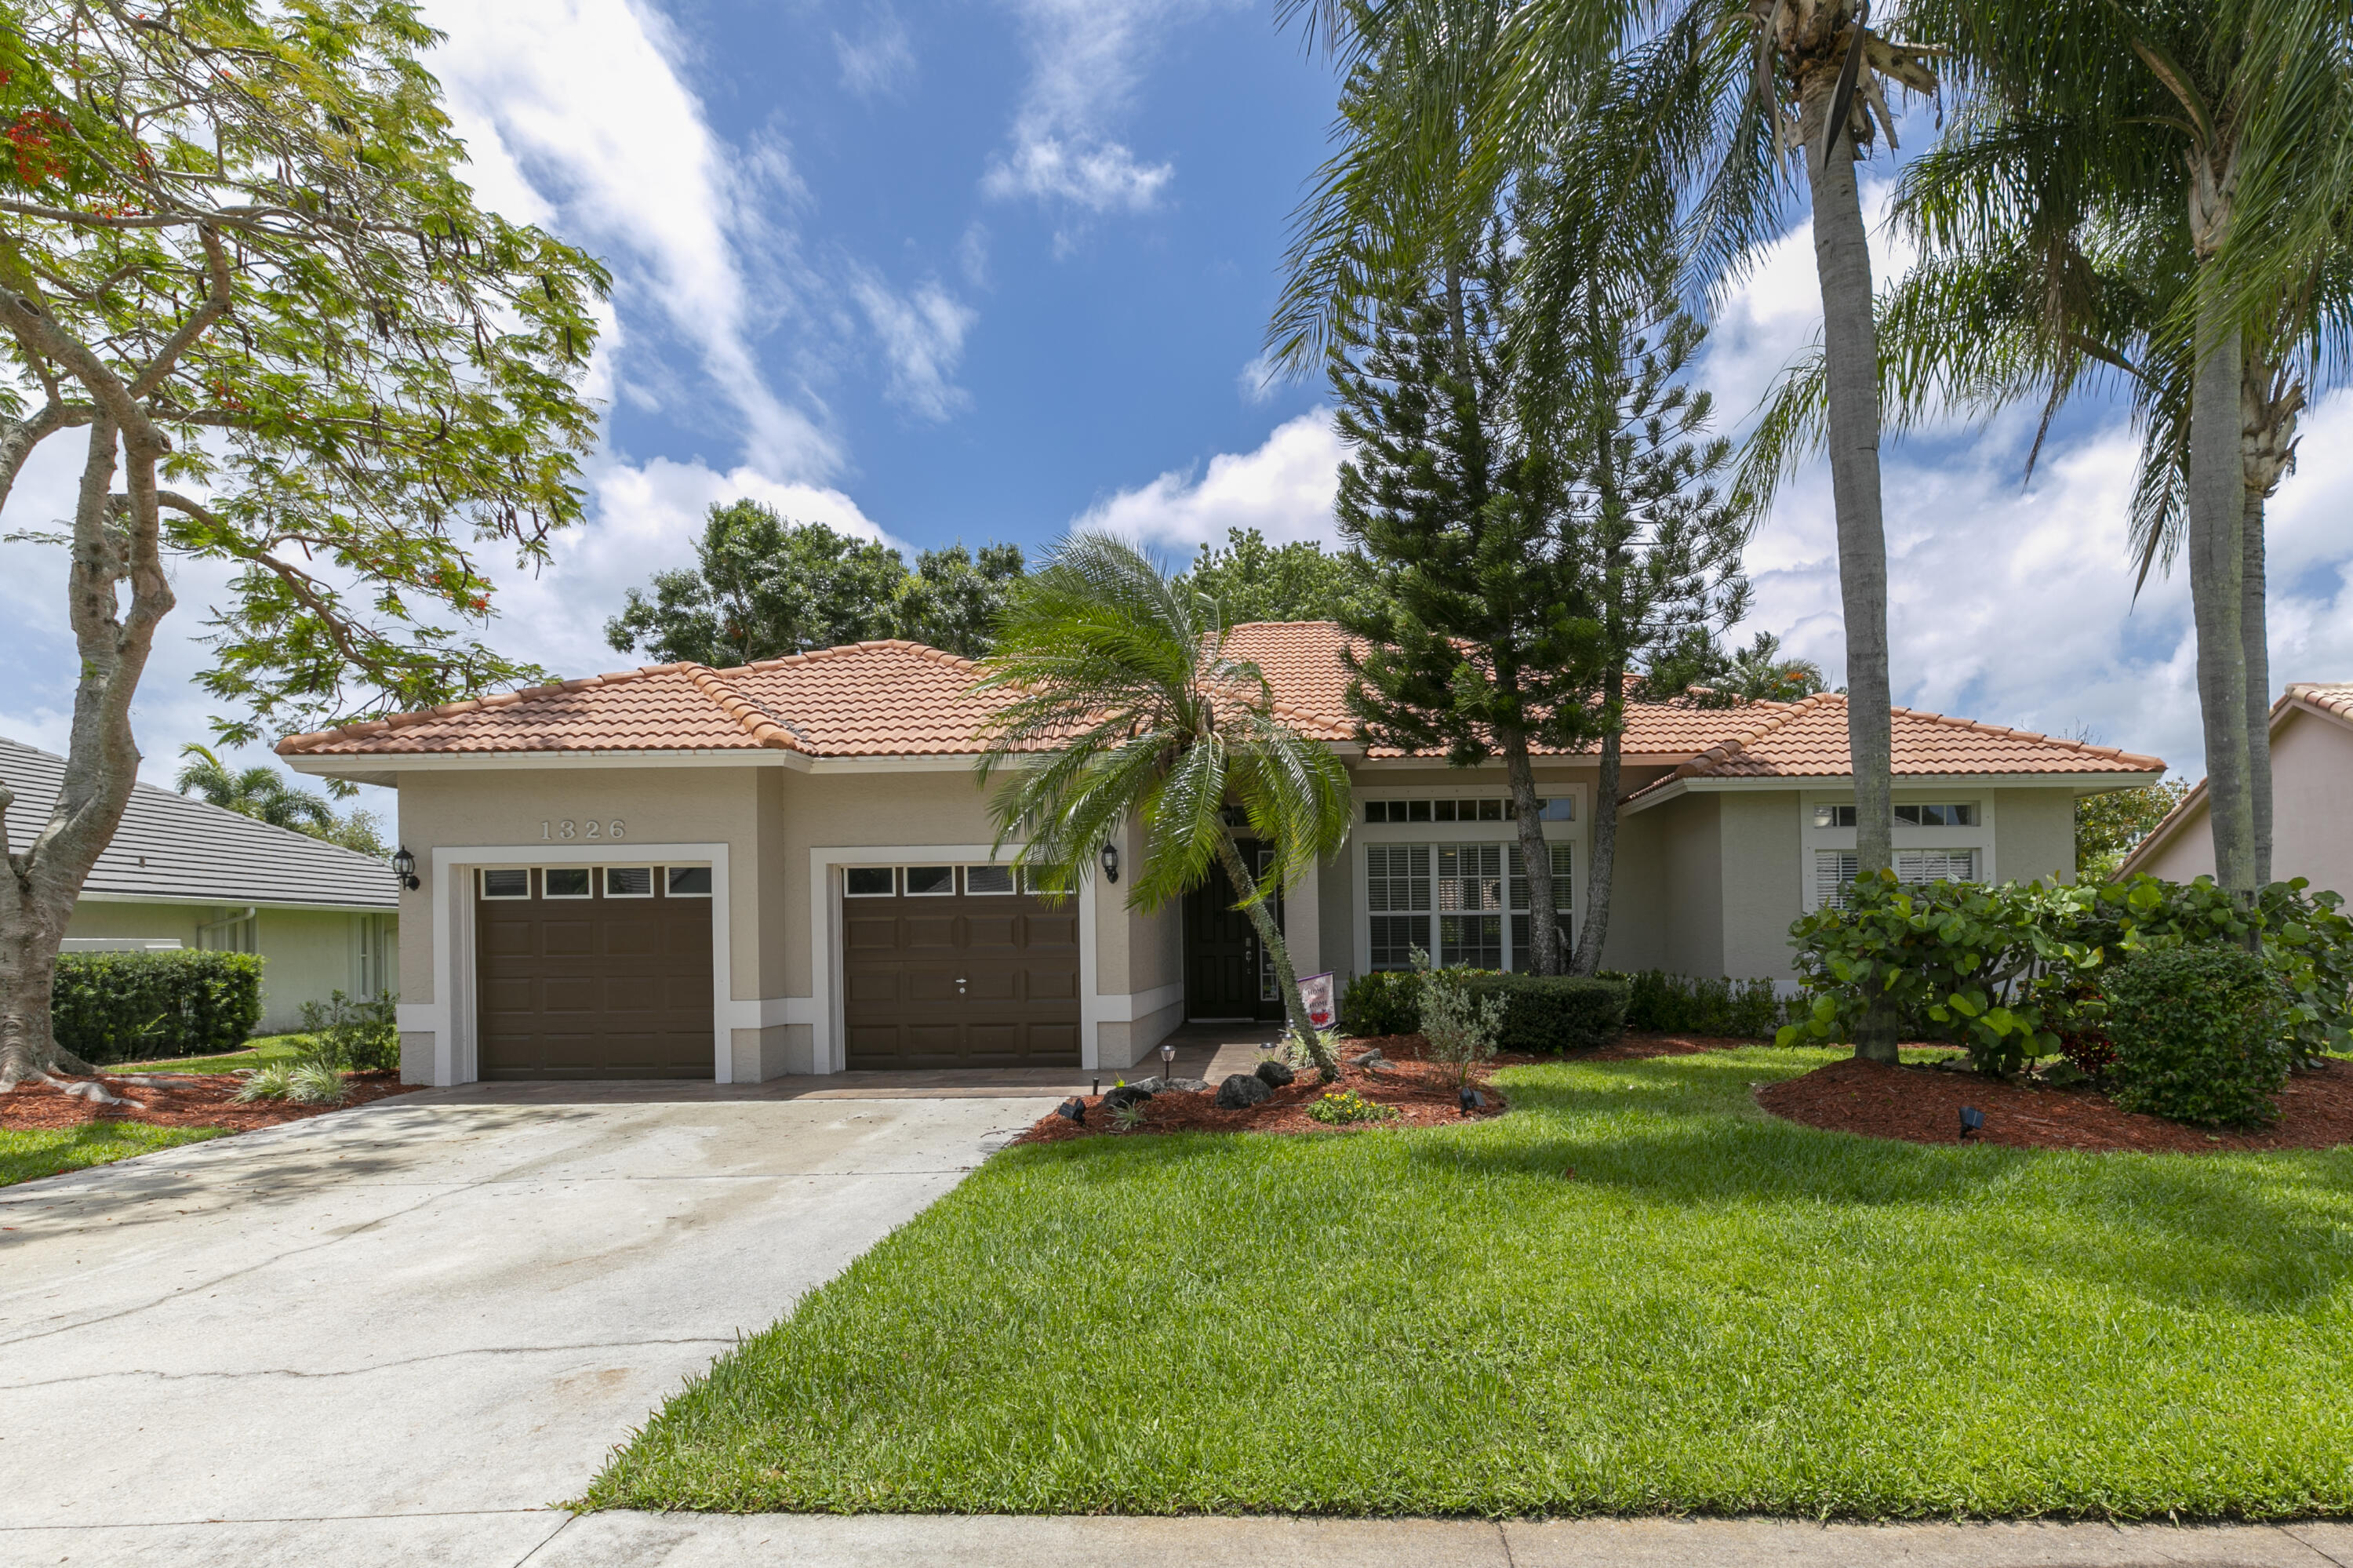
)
(185, 873)
(785, 868)
(2311, 781)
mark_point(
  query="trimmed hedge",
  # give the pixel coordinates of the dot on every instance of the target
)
(2201, 1034)
(1554, 1013)
(1385, 1002)
(1664, 1003)
(128, 1007)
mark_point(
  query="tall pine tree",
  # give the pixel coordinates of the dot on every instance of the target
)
(1485, 640)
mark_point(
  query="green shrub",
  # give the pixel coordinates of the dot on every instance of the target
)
(1457, 1025)
(356, 1036)
(1545, 1013)
(2201, 1034)
(1385, 1002)
(1661, 1003)
(125, 1007)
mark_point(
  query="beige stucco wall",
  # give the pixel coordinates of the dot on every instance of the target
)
(2034, 836)
(1762, 884)
(1691, 865)
(2311, 822)
(308, 954)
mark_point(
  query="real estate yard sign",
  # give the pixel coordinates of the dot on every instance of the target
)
(1316, 993)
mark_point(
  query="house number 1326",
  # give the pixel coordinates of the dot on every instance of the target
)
(591, 829)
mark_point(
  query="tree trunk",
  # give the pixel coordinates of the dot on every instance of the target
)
(1544, 926)
(44, 881)
(2253, 636)
(1229, 856)
(1602, 863)
(1850, 367)
(2217, 516)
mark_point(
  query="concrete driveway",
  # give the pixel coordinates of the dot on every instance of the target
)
(398, 1334)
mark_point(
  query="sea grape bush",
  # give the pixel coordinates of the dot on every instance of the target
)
(2014, 971)
(2198, 1034)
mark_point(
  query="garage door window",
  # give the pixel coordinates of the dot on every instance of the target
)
(689, 880)
(566, 882)
(870, 882)
(629, 882)
(506, 884)
(988, 881)
(930, 882)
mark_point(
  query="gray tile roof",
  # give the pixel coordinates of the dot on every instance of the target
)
(179, 850)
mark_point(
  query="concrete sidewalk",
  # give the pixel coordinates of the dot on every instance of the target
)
(717, 1541)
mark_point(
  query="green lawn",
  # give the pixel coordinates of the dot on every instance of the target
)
(261, 1048)
(1720, 1313)
(28, 1153)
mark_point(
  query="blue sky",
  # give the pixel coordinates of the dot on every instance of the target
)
(982, 271)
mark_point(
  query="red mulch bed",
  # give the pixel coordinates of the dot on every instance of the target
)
(1423, 1092)
(193, 1099)
(1923, 1104)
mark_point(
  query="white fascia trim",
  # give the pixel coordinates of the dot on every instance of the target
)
(455, 1059)
(390, 906)
(2081, 783)
(916, 762)
(1581, 761)
(393, 763)
(824, 928)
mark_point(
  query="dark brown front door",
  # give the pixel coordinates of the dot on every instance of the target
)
(595, 987)
(1225, 974)
(960, 980)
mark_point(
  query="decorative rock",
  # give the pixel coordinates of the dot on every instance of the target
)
(1274, 1073)
(1127, 1094)
(1185, 1085)
(1149, 1086)
(1242, 1091)
(1371, 1061)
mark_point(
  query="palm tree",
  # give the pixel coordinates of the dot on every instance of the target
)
(1761, 672)
(1123, 707)
(262, 793)
(2167, 182)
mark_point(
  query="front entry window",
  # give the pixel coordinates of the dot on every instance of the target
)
(1461, 903)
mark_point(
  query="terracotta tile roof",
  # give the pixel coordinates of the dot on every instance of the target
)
(1808, 740)
(866, 699)
(897, 699)
(2332, 697)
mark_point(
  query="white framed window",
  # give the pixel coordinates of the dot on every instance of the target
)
(930, 881)
(1487, 809)
(687, 880)
(988, 881)
(1563, 872)
(629, 882)
(1948, 814)
(506, 883)
(869, 880)
(1040, 882)
(1470, 885)
(567, 882)
(1463, 904)
(1396, 894)
(1834, 869)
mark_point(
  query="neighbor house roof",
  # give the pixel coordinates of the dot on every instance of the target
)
(902, 699)
(173, 850)
(2331, 700)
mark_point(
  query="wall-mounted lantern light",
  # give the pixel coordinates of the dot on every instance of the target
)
(404, 867)
(1110, 858)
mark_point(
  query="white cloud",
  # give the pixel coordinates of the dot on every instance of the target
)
(1085, 59)
(922, 334)
(1284, 490)
(880, 62)
(577, 115)
(1259, 380)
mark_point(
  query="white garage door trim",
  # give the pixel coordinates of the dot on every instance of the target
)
(452, 1016)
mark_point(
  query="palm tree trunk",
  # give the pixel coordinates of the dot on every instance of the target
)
(1229, 856)
(1851, 367)
(1602, 863)
(2253, 636)
(2218, 517)
(1544, 927)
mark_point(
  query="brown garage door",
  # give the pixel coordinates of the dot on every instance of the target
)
(948, 967)
(595, 972)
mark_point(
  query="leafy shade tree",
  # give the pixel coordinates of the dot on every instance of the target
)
(1253, 580)
(267, 795)
(1121, 706)
(2111, 826)
(237, 261)
(953, 599)
(1485, 639)
(764, 586)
